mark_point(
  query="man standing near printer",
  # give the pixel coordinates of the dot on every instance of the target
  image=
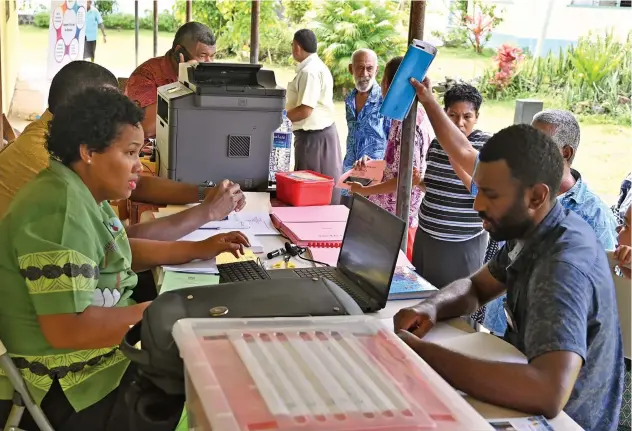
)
(310, 108)
(193, 42)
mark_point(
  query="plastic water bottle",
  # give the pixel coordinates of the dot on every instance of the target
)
(281, 149)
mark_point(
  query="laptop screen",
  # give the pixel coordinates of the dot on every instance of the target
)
(370, 247)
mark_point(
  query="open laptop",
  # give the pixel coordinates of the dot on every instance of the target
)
(370, 247)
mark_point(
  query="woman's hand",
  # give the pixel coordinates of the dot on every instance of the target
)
(623, 255)
(360, 165)
(356, 188)
(232, 242)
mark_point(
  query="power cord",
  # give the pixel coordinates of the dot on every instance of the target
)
(300, 255)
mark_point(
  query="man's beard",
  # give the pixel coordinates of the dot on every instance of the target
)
(513, 225)
(363, 85)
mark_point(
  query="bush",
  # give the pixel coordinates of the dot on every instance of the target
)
(166, 21)
(345, 26)
(592, 78)
(41, 19)
(295, 10)
(119, 21)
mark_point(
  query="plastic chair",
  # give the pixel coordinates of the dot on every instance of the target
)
(21, 398)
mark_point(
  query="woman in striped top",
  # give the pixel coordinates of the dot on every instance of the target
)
(450, 242)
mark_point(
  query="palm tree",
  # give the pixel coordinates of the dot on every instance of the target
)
(343, 26)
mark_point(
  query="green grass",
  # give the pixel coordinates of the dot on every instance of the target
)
(603, 157)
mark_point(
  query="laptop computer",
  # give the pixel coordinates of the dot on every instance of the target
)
(368, 255)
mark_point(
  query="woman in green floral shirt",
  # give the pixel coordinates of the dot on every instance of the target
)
(68, 268)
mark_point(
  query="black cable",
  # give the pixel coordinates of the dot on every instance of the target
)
(303, 250)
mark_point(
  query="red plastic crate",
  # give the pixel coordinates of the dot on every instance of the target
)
(301, 188)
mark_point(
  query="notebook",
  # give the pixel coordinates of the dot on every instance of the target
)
(407, 284)
(315, 214)
(323, 234)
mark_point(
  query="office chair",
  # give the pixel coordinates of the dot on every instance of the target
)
(21, 398)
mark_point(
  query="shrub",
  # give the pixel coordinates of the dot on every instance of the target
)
(119, 21)
(41, 19)
(295, 10)
(345, 26)
(592, 78)
(166, 21)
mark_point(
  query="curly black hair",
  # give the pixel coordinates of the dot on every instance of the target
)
(532, 156)
(74, 78)
(463, 93)
(92, 117)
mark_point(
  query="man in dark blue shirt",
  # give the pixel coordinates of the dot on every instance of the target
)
(561, 305)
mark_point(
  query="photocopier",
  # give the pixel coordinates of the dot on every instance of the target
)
(217, 122)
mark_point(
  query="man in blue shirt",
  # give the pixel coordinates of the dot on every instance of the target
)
(93, 22)
(368, 129)
(574, 193)
(561, 302)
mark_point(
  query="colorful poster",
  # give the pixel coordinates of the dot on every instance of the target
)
(66, 34)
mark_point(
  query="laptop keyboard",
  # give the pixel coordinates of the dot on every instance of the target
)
(332, 275)
(241, 271)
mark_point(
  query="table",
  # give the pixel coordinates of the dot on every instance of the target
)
(452, 328)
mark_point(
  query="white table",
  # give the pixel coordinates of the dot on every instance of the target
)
(453, 328)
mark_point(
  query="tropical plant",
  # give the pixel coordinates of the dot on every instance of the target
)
(230, 21)
(106, 7)
(295, 10)
(592, 78)
(345, 26)
(481, 22)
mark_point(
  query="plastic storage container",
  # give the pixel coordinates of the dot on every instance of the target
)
(304, 188)
(306, 374)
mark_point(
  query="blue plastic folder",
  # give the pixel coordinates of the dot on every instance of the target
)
(401, 94)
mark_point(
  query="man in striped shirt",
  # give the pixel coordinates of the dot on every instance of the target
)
(450, 243)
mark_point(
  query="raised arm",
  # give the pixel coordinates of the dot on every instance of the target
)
(453, 142)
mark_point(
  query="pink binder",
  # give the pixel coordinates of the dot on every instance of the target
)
(325, 234)
(325, 213)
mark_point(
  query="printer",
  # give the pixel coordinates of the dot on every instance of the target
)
(217, 122)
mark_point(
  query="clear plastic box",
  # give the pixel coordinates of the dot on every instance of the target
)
(319, 373)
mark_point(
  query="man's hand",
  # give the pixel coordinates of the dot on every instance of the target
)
(623, 255)
(190, 62)
(356, 188)
(105, 39)
(224, 199)
(423, 89)
(418, 319)
(232, 242)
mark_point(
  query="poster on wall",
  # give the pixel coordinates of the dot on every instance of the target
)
(66, 33)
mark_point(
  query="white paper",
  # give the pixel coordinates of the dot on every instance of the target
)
(259, 223)
(257, 202)
(197, 266)
(202, 234)
(226, 224)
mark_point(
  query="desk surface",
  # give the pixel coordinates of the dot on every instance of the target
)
(452, 328)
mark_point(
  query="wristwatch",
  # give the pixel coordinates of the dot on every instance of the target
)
(202, 189)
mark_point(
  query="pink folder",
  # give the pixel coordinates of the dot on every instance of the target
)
(324, 234)
(315, 214)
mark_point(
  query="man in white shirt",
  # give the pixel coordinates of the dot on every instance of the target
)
(310, 107)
